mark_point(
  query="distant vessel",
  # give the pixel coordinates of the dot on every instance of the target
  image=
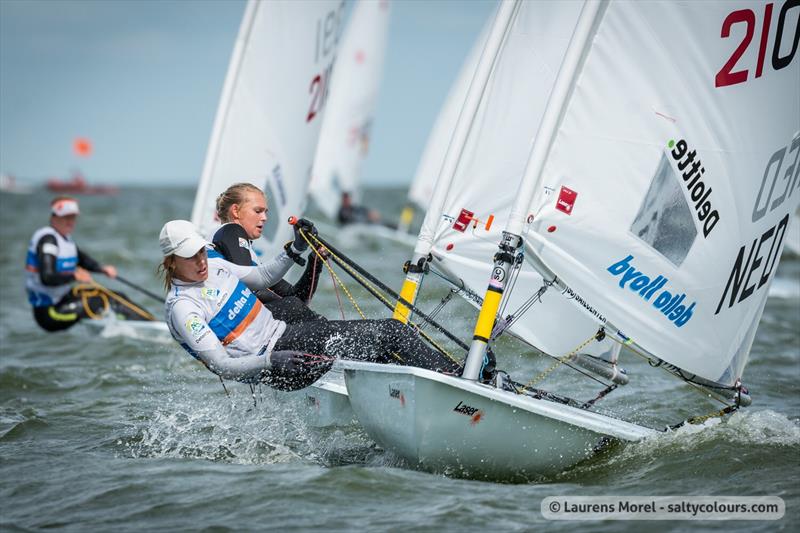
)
(78, 185)
(9, 184)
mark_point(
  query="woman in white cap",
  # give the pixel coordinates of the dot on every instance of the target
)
(212, 312)
(53, 265)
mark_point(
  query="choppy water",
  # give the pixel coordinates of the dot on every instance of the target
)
(101, 434)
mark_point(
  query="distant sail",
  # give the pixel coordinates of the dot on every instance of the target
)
(421, 189)
(346, 130)
(271, 108)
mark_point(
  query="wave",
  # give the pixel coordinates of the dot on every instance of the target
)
(240, 430)
(785, 288)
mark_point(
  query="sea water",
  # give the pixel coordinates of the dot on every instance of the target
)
(100, 434)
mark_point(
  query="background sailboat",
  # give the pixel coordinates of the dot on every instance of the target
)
(354, 87)
(265, 131)
(672, 261)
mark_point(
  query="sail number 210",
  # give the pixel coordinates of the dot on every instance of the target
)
(726, 75)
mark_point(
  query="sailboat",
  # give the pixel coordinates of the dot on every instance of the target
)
(654, 196)
(266, 129)
(265, 132)
(346, 130)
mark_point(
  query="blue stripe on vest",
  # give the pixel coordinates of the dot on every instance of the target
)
(66, 264)
(238, 306)
(213, 254)
(63, 264)
(38, 299)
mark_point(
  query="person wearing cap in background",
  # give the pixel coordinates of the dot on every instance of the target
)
(212, 312)
(53, 265)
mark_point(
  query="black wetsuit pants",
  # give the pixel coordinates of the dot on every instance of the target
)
(291, 309)
(379, 341)
(85, 302)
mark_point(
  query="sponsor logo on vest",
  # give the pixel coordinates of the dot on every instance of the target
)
(669, 304)
(239, 304)
(208, 293)
(692, 173)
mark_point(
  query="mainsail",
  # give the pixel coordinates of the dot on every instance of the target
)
(269, 115)
(673, 172)
(488, 174)
(346, 130)
(430, 163)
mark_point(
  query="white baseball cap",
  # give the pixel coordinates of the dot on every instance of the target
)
(181, 238)
(64, 207)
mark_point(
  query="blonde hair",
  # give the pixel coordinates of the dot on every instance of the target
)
(167, 269)
(234, 195)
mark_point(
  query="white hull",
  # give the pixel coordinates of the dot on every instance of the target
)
(155, 331)
(327, 403)
(447, 424)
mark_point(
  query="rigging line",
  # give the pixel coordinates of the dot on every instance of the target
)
(341, 258)
(127, 303)
(697, 387)
(344, 288)
(338, 298)
(561, 360)
(372, 290)
(436, 310)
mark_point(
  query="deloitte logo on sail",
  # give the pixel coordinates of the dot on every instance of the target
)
(671, 305)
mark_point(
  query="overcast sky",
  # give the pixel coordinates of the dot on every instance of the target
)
(142, 80)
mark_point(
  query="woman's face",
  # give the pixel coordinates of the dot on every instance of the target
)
(192, 269)
(251, 214)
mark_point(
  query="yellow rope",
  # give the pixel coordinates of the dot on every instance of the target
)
(96, 289)
(700, 419)
(365, 281)
(561, 360)
(339, 281)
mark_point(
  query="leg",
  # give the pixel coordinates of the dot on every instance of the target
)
(292, 310)
(380, 341)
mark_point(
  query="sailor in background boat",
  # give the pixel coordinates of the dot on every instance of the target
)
(53, 265)
(212, 312)
(350, 213)
(242, 209)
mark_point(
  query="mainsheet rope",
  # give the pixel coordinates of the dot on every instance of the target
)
(364, 282)
(88, 290)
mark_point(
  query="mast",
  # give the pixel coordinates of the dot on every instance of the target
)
(512, 236)
(414, 268)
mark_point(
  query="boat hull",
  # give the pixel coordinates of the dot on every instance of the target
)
(326, 403)
(462, 428)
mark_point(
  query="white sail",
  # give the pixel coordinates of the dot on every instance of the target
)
(421, 189)
(491, 167)
(354, 86)
(673, 173)
(269, 115)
